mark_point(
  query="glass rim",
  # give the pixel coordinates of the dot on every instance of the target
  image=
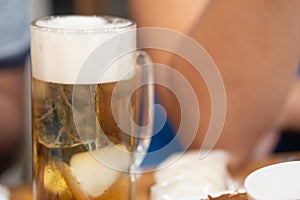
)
(127, 26)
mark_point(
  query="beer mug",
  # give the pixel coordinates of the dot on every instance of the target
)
(92, 98)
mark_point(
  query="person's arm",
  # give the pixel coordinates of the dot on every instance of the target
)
(11, 106)
(169, 14)
(256, 45)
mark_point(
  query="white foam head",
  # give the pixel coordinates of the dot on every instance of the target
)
(61, 45)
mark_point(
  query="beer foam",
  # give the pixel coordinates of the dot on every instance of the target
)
(92, 175)
(83, 22)
(82, 49)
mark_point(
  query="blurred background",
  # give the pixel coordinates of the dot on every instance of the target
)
(84, 7)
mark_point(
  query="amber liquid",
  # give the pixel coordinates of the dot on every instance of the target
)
(54, 178)
(58, 148)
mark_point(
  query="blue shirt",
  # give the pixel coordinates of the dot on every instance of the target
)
(14, 32)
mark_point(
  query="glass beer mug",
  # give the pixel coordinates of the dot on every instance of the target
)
(90, 128)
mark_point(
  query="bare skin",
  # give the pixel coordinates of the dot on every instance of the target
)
(255, 44)
(11, 106)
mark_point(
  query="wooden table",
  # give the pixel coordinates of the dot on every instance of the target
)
(146, 180)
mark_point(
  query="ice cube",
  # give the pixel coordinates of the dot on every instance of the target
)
(96, 171)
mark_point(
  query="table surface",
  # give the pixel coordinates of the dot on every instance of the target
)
(146, 180)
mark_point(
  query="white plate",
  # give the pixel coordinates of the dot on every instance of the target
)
(275, 182)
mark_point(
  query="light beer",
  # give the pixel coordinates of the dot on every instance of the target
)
(79, 150)
(57, 144)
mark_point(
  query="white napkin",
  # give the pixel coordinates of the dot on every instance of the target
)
(4, 193)
(190, 177)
